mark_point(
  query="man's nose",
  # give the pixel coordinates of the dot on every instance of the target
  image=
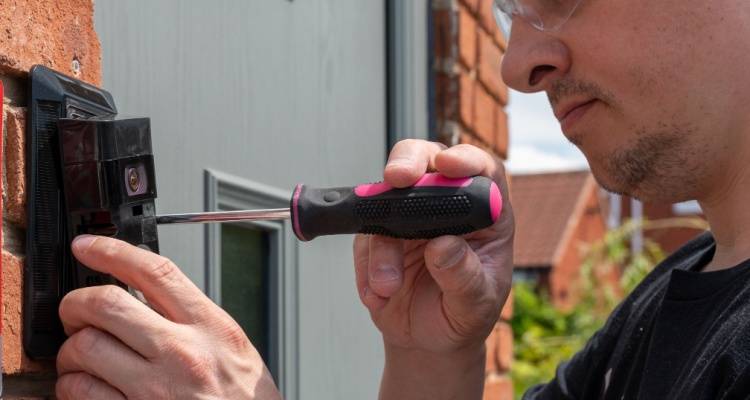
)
(533, 59)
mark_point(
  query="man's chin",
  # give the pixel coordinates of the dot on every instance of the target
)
(617, 185)
(642, 191)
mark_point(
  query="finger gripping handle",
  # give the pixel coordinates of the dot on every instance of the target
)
(433, 207)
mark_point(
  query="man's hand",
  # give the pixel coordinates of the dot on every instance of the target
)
(186, 347)
(436, 301)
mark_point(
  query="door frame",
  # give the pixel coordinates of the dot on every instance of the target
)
(225, 192)
(409, 75)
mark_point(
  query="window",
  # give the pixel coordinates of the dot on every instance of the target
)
(245, 283)
(251, 271)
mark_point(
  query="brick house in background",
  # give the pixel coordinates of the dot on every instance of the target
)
(556, 213)
(466, 105)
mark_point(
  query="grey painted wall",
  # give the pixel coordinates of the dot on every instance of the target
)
(276, 92)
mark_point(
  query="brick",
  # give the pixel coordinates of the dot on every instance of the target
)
(448, 98)
(466, 100)
(488, 23)
(490, 58)
(469, 138)
(504, 346)
(448, 132)
(14, 360)
(502, 136)
(486, 17)
(443, 43)
(467, 38)
(57, 33)
(507, 312)
(15, 166)
(485, 110)
(491, 361)
(498, 387)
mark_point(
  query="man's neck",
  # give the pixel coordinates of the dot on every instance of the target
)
(727, 209)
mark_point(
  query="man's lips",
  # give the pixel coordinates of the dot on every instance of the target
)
(570, 113)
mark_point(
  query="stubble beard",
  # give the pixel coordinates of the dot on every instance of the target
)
(658, 167)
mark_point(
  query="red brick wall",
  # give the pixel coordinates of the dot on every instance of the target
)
(469, 93)
(470, 100)
(59, 34)
(588, 227)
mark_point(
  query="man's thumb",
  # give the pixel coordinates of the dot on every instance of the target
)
(459, 274)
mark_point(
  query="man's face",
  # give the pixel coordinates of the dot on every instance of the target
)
(654, 93)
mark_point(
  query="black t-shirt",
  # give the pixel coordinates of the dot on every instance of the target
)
(681, 334)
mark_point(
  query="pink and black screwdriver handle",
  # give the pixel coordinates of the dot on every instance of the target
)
(433, 207)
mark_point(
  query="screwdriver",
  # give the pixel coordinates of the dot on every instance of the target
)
(434, 206)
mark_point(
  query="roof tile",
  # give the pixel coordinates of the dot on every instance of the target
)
(543, 204)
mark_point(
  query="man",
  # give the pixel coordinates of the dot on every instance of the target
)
(653, 93)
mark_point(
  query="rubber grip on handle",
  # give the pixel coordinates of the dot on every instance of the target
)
(433, 207)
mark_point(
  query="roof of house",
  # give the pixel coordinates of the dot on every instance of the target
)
(544, 205)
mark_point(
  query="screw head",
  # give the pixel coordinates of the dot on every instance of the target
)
(134, 179)
(76, 66)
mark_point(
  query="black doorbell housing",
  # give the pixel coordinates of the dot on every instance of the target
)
(87, 172)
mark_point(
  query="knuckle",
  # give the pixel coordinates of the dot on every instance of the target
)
(73, 386)
(151, 390)
(87, 341)
(161, 270)
(82, 386)
(166, 343)
(61, 389)
(198, 366)
(234, 335)
(108, 299)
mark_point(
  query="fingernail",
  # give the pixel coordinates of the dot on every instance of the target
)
(385, 273)
(81, 243)
(453, 252)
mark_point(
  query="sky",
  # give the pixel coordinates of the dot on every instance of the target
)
(536, 141)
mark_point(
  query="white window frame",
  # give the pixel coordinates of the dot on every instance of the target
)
(225, 192)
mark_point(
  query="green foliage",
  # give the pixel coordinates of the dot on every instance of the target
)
(545, 336)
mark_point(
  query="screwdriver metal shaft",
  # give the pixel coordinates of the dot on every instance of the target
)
(224, 216)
